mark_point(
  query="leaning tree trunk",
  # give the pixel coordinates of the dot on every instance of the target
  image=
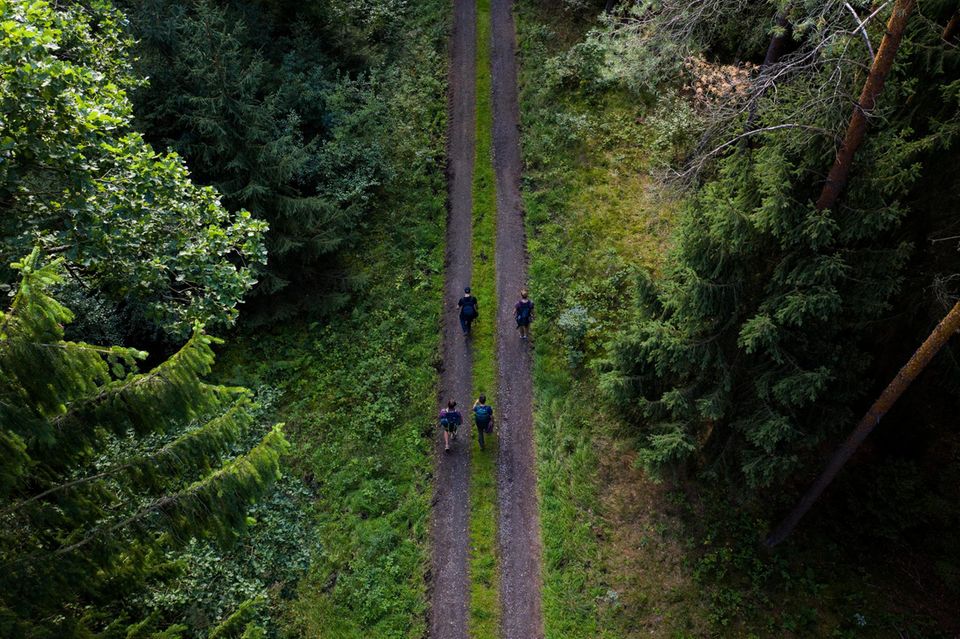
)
(950, 31)
(778, 44)
(836, 181)
(840, 172)
(917, 363)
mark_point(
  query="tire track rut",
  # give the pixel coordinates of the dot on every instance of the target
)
(450, 587)
(519, 523)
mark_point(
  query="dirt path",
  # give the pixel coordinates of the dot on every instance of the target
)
(450, 586)
(519, 524)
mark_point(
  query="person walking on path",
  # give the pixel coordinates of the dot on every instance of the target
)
(483, 416)
(523, 312)
(450, 419)
(468, 310)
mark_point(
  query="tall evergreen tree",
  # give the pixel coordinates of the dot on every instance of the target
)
(247, 94)
(756, 347)
(104, 469)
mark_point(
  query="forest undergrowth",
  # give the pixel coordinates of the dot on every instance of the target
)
(357, 390)
(625, 556)
(357, 396)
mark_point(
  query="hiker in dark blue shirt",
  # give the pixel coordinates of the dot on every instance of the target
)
(468, 310)
(523, 313)
(483, 416)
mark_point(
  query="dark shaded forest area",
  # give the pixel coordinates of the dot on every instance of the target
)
(762, 323)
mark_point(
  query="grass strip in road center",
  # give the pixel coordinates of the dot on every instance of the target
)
(484, 600)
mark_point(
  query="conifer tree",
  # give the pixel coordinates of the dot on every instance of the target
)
(754, 349)
(262, 115)
(104, 469)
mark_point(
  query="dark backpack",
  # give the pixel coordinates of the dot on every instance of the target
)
(523, 312)
(450, 418)
(469, 309)
(483, 414)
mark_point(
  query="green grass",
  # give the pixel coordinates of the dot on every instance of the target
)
(591, 224)
(358, 397)
(484, 602)
(357, 391)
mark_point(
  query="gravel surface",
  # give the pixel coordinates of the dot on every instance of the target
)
(519, 524)
(450, 587)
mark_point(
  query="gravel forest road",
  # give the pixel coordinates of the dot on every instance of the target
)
(450, 587)
(519, 522)
(518, 536)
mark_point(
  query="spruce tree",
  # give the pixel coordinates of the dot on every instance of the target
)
(247, 95)
(757, 345)
(105, 468)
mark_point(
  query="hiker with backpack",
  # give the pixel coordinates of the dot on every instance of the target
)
(450, 419)
(523, 312)
(468, 310)
(483, 416)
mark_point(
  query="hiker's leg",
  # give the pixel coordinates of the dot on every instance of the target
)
(463, 325)
(480, 434)
(446, 439)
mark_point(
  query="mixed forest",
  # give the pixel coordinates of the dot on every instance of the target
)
(222, 258)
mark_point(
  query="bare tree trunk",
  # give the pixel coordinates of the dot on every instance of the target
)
(917, 363)
(611, 5)
(856, 130)
(950, 31)
(778, 44)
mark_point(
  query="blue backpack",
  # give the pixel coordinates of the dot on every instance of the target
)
(469, 308)
(483, 414)
(450, 418)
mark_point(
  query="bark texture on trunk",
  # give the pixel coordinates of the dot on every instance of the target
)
(776, 48)
(950, 31)
(917, 363)
(856, 130)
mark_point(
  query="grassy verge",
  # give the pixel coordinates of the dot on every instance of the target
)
(592, 222)
(484, 604)
(358, 391)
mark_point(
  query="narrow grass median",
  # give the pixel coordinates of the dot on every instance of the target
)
(484, 604)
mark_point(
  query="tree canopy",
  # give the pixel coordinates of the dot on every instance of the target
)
(758, 343)
(78, 180)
